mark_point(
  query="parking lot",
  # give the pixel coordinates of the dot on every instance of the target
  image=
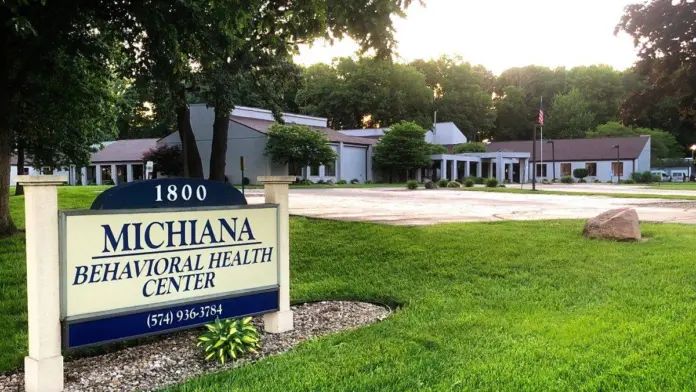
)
(422, 207)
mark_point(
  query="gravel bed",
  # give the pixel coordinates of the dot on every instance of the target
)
(175, 359)
(685, 205)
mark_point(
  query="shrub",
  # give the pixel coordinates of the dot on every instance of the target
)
(596, 181)
(582, 181)
(166, 159)
(306, 181)
(492, 183)
(581, 173)
(545, 182)
(454, 184)
(502, 186)
(245, 181)
(656, 178)
(329, 182)
(321, 182)
(355, 181)
(628, 181)
(469, 183)
(567, 180)
(430, 185)
(469, 147)
(369, 182)
(226, 339)
(413, 184)
(443, 183)
(480, 180)
(342, 182)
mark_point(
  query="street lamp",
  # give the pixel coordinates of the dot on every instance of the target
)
(553, 157)
(618, 163)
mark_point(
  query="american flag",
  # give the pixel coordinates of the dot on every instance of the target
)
(541, 112)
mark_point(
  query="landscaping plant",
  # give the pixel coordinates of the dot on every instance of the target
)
(341, 182)
(412, 184)
(469, 183)
(567, 179)
(227, 339)
(580, 173)
(355, 181)
(443, 183)
(480, 180)
(430, 185)
(454, 184)
(492, 183)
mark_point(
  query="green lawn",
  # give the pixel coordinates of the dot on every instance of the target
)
(685, 186)
(483, 306)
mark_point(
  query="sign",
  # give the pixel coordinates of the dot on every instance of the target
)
(133, 272)
(149, 168)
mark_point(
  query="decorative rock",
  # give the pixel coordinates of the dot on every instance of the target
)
(621, 224)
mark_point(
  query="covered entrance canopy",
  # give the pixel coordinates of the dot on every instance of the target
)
(505, 166)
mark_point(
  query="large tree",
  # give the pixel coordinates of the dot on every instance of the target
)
(663, 144)
(570, 116)
(402, 149)
(664, 33)
(298, 145)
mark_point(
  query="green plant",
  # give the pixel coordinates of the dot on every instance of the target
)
(581, 173)
(430, 185)
(413, 184)
(369, 182)
(567, 179)
(227, 339)
(305, 182)
(628, 181)
(321, 182)
(596, 181)
(582, 181)
(454, 184)
(329, 182)
(355, 181)
(443, 183)
(502, 186)
(245, 181)
(545, 182)
(492, 183)
(469, 183)
(480, 180)
(342, 182)
(469, 147)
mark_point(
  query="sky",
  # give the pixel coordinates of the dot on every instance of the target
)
(500, 34)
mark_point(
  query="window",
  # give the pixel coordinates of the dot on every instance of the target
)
(619, 171)
(314, 171)
(26, 171)
(591, 169)
(541, 170)
(565, 169)
(330, 169)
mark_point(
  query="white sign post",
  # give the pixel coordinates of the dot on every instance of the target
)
(276, 190)
(43, 368)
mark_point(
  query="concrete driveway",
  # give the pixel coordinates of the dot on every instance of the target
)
(421, 207)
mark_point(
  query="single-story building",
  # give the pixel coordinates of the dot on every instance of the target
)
(117, 162)
(247, 136)
(30, 170)
(606, 159)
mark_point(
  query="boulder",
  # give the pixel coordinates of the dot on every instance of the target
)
(620, 224)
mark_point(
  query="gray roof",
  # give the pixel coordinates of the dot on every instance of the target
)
(598, 149)
(333, 136)
(131, 150)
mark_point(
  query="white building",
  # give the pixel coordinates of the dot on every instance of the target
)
(117, 162)
(32, 171)
(606, 159)
(247, 136)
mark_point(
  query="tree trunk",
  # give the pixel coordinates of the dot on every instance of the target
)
(188, 143)
(7, 227)
(19, 189)
(218, 152)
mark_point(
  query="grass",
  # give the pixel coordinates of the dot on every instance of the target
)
(685, 186)
(324, 186)
(515, 189)
(483, 306)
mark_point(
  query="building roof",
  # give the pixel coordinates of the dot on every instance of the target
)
(599, 149)
(131, 150)
(334, 136)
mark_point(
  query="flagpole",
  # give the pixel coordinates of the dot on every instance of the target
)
(541, 142)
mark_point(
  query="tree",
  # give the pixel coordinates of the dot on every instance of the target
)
(462, 94)
(166, 159)
(512, 122)
(663, 144)
(436, 149)
(470, 147)
(403, 148)
(602, 87)
(664, 33)
(570, 116)
(580, 173)
(298, 145)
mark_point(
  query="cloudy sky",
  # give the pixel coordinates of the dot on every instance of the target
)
(505, 33)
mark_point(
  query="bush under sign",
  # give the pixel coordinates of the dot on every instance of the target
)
(129, 273)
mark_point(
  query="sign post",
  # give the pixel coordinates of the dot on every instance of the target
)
(43, 367)
(276, 189)
(242, 164)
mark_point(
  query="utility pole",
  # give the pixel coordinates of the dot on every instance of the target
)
(534, 157)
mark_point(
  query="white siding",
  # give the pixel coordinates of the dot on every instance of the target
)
(354, 163)
(603, 170)
(643, 161)
(34, 172)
